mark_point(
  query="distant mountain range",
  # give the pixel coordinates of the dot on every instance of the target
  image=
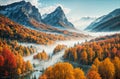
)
(83, 22)
(28, 15)
(88, 18)
(109, 22)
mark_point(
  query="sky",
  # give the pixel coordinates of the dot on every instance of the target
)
(74, 9)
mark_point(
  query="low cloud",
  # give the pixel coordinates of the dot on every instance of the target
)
(80, 23)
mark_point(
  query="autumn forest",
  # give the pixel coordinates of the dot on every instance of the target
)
(34, 45)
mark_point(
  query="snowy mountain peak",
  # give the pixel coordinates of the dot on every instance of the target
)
(115, 12)
(109, 22)
(58, 19)
(21, 12)
(59, 9)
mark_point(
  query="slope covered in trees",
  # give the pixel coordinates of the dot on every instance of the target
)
(102, 54)
(14, 31)
(88, 51)
(12, 64)
(16, 48)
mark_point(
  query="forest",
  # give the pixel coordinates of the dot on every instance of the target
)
(14, 31)
(102, 54)
(43, 39)
(12, 64)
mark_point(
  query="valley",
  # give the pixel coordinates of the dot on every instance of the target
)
(61, 41)
(42, 65)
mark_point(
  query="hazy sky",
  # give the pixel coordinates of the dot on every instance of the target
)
(80, 8)
(74, 9)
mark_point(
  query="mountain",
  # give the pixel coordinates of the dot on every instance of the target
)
(14, 31)
(109, 22)
(21, 12)
(26, 14)
(58, 19)
(94, 23)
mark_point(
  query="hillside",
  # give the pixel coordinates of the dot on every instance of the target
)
(96, 58)
(109, 22)
(14, 31)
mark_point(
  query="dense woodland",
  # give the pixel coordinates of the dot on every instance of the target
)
(88, 51)
(11, 59)
(63, 71)
(58, 48)
(41, 56)
(12, 64)
(16, 48)
(14, 31)
(102, 54)
(98, 58)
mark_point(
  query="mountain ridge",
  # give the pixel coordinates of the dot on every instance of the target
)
(21, 12)
(58, 19)
(28, 15)
(109, 22)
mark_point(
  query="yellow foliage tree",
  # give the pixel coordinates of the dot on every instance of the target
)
(93, 68)
(63, 71)
(106, 69)
(84, 57)
(79, 74)
(96, 62)
(28, 66)
(19, 71)
(116, 63)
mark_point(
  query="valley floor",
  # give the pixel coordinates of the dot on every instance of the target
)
(42, 65)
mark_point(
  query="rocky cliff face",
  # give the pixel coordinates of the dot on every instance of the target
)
(21, 12)
(58, 19)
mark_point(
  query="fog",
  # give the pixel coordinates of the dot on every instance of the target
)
(57, 57)
(98, 34)
(49, 50)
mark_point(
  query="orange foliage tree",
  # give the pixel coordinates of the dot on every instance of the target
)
(63, 71)
(1, 61)
(106, 69)
(93, 75)
(12, 65)
(116, 62)
(9, 61)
